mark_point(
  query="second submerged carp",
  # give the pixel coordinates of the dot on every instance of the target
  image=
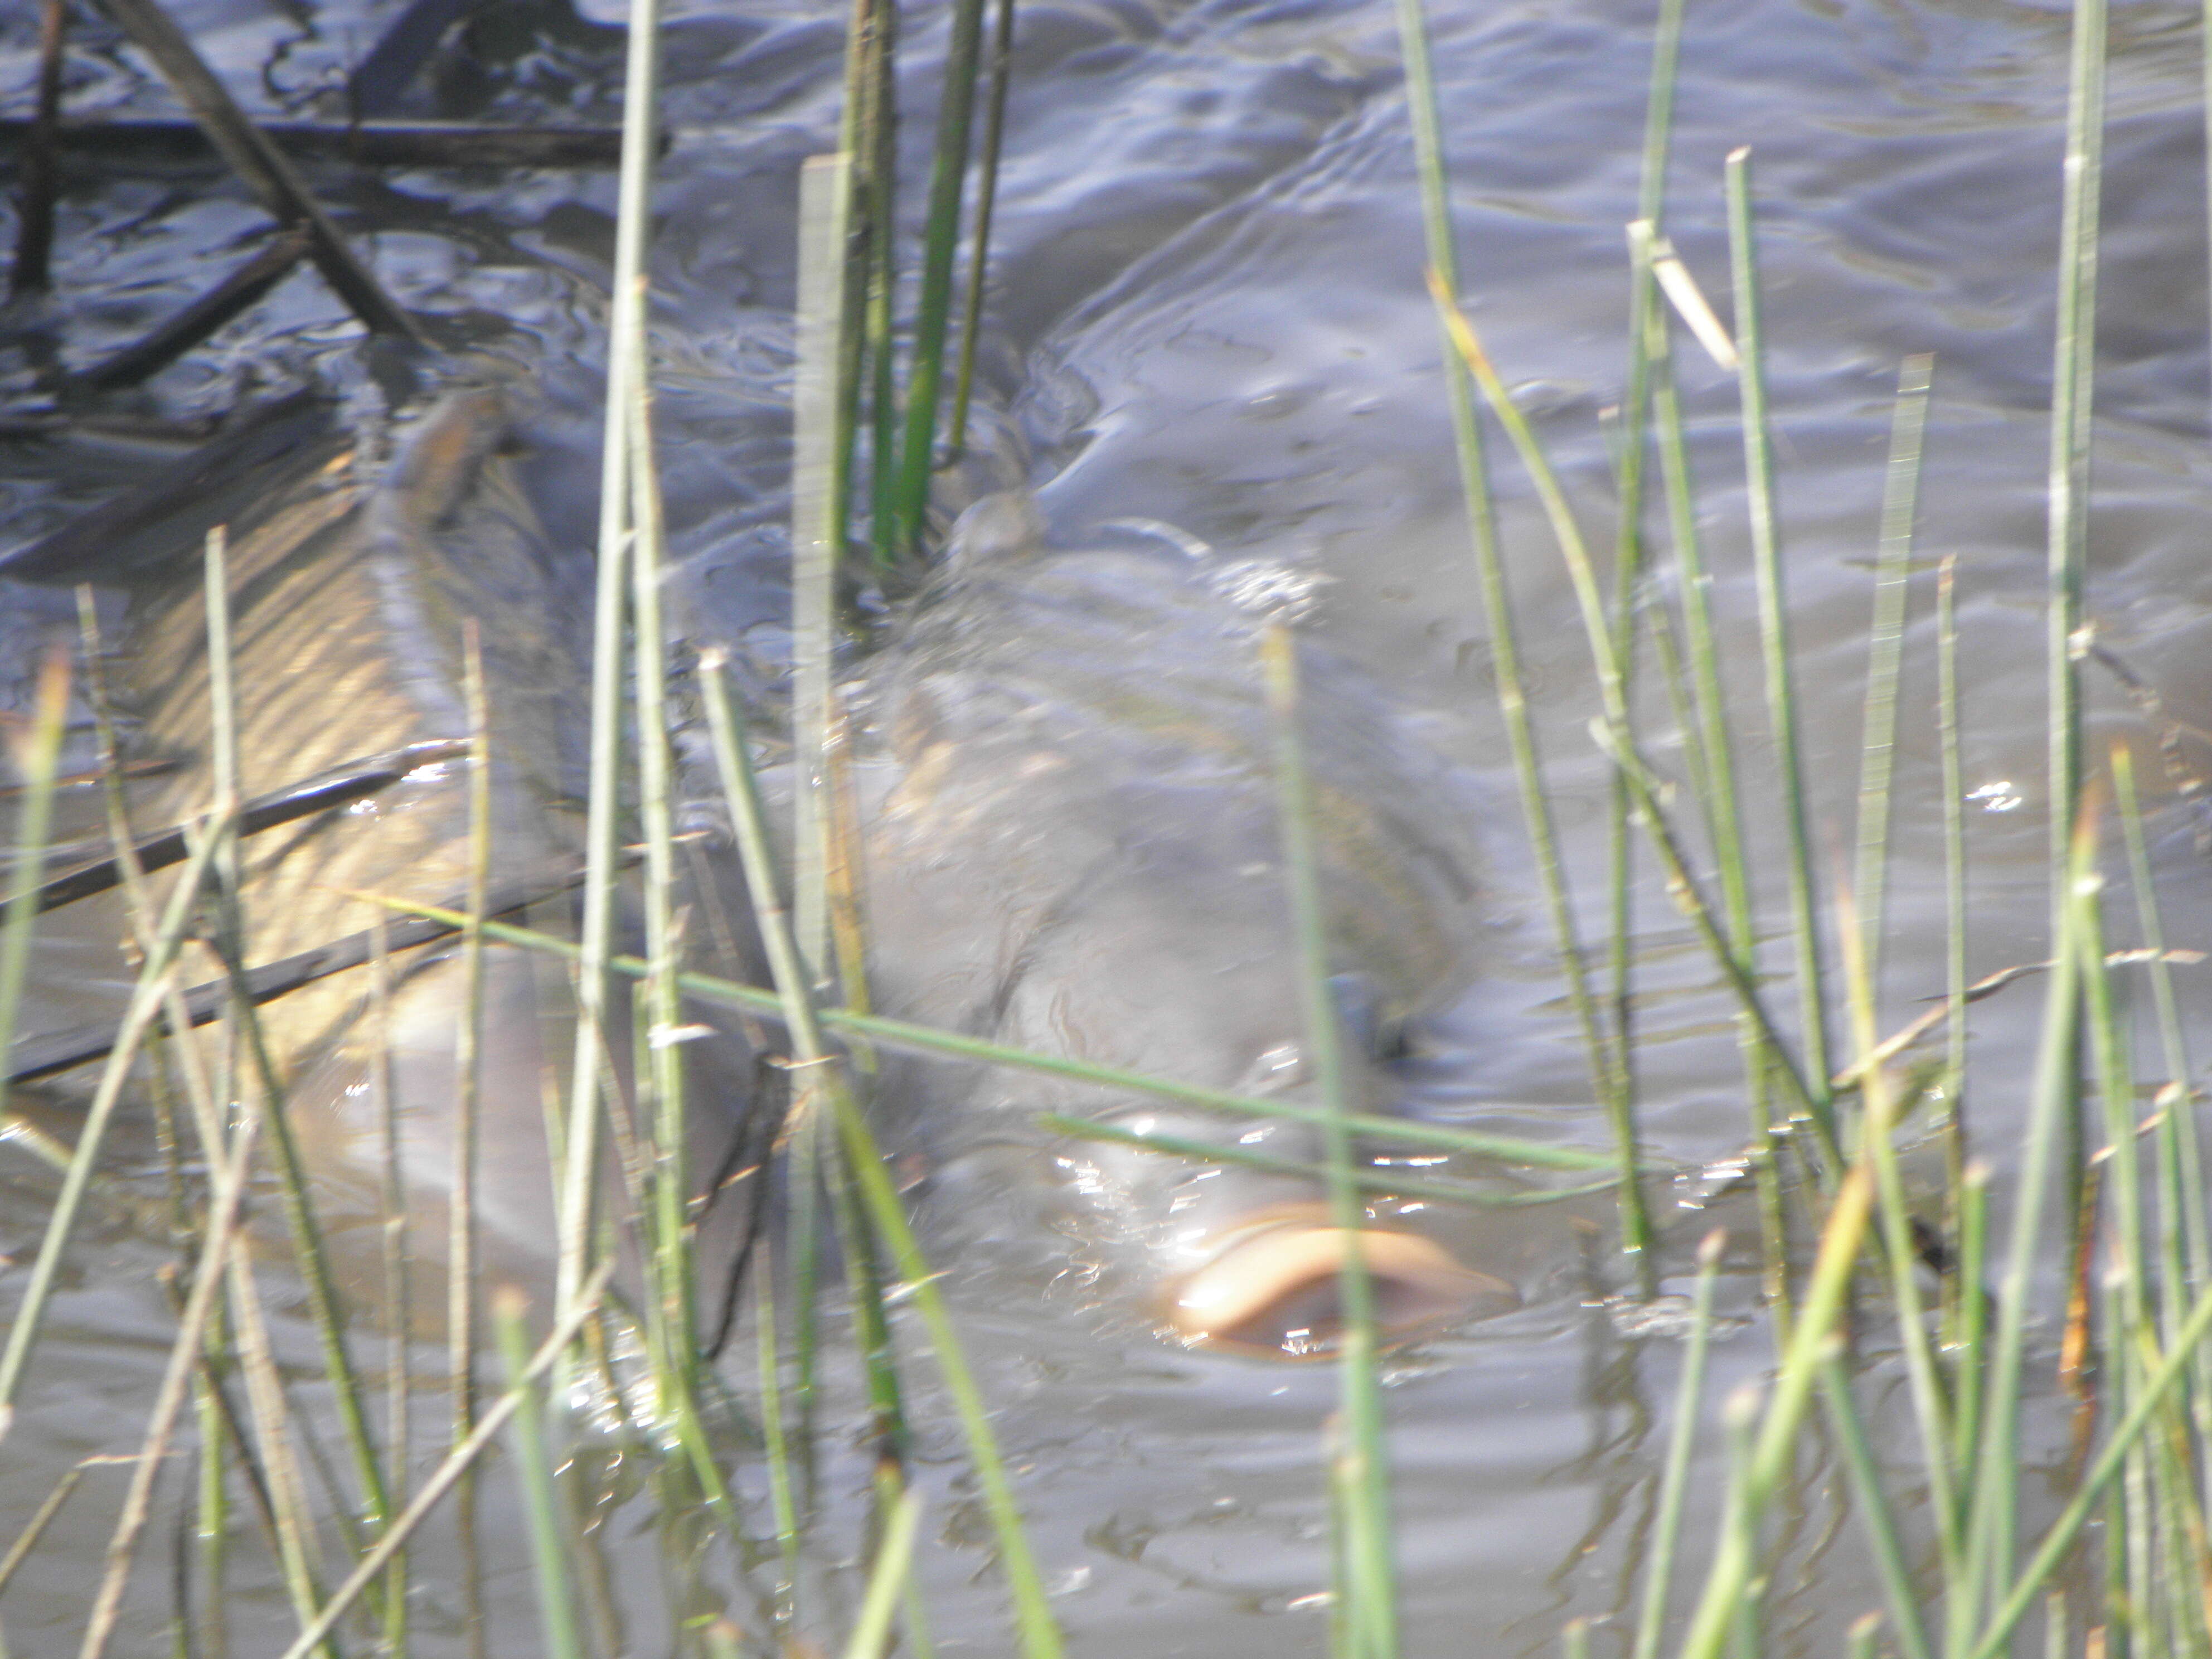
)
(1074, 847)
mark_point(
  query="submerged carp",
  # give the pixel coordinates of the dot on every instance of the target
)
(1071, 836)
(1075, 848)
(352, 577)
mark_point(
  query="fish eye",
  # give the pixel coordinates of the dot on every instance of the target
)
(1367, 1021)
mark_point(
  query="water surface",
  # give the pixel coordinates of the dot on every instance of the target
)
(1206, 309)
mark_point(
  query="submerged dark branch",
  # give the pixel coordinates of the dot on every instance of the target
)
(133, 145)
(255, 159)
(237, 293)
(337, 787)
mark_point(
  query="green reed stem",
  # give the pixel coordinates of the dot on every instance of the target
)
(805, 1160)
(986, 199)
(468, 1045)
(1774, 631)
(2188, 1264)
(210, 1496)
(1885, 653)
(2114, 1069)
(217, 1235)
(872, 1324)
(2072, 378)
(879, 133)
(825, 194)
(602, 852)
(1638, 1238)
(871, 1627)
(2205, 94)
(1370, 1584)
(2130, 1543)
(324, 1308)
(782, 1499)
(145, 1004)
(36, 758)
(1724, 822)
(1873, 1504)
(1970, 1336)
(1954, 884)
(1628, 586)
(940, 242)
(1036, 1630)
(25, 1541)
(1682, 885)
(211, 1528)
(2171, 1367)
(533, 1471)
(1993, 1474)
(1682, 707)
(817, 488)
(323, 1300)
(1675, 1478)
(928, 1040)
(428, 1497)
(1877, 1135)
(855, 139)
(384, 1099)
(1739, 1531)
(1651, 201)
(1609, 1077)
(1728, 1593)
(299, 1552)
(1717, 797)
(664, 1034)
(671, 1184)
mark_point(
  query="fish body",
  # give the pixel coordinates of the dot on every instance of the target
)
(1079, 852)
(353, 581)
(1072, 844)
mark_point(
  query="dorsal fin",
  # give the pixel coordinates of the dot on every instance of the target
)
(997, 530)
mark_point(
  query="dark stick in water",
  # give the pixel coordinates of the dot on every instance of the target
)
(341, 788)
(34, 239)
(131, 145)
(243, 288)
(987, 196)
(256, 160)
(44, 1056)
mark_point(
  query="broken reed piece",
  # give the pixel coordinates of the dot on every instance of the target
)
(243, 288)
(34, 237)
(154, 145)
(33, 1058)
(255, 159)
(340, 786)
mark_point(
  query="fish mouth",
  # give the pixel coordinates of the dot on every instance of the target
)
(1275, 1290)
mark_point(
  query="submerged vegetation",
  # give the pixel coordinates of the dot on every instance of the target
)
(1864, 1264)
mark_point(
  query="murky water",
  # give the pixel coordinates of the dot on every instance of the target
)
(1207, 310)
